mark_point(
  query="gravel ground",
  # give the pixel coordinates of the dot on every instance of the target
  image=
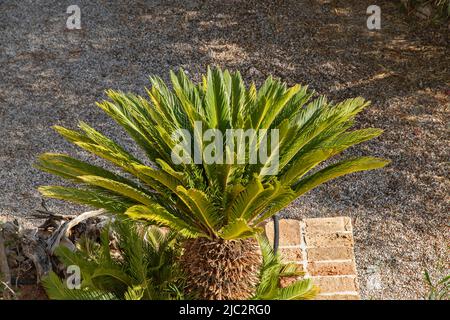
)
(50, 75)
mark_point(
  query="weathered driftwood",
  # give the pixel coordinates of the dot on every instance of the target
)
(31, 252)
(34, 248)
(63, 232)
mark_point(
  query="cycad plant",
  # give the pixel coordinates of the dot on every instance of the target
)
(217, 206)
(141, 264)
(271, 274)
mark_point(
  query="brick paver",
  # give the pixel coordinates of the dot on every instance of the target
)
(323, 249)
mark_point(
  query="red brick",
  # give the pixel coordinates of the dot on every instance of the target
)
(330, 253)
(338, 297)
(289, 232)
(335, 284)
(268, 230)
(287, 281)
(337, 239)
(331, 268)
(326, 225)
(291, 254)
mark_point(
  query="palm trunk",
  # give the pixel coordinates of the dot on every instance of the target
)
(222, 269)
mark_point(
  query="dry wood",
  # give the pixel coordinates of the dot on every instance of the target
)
(63, 231)
(4, 268)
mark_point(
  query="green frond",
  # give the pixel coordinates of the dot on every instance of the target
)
(299, 290)
(291, 270)
(201, 207)
(217, 100)
(337, 170)
(150, 176)
(95, 198)
(57, 290)
(245, 199)
(71, 168)
(219, 199)
(272, 270)
(144, 266)
(238, 229)
(158, 215)
(119, 188)
(134, 293)
(122, 110)
(236, 92)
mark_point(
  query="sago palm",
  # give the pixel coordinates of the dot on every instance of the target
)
(217, 206)
(273, 270)
(143, 264)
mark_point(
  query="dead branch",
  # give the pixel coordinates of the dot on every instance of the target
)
(4, 267)
(63, 232)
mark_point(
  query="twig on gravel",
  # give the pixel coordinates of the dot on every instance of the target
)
(42, 214)
(9, 288)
